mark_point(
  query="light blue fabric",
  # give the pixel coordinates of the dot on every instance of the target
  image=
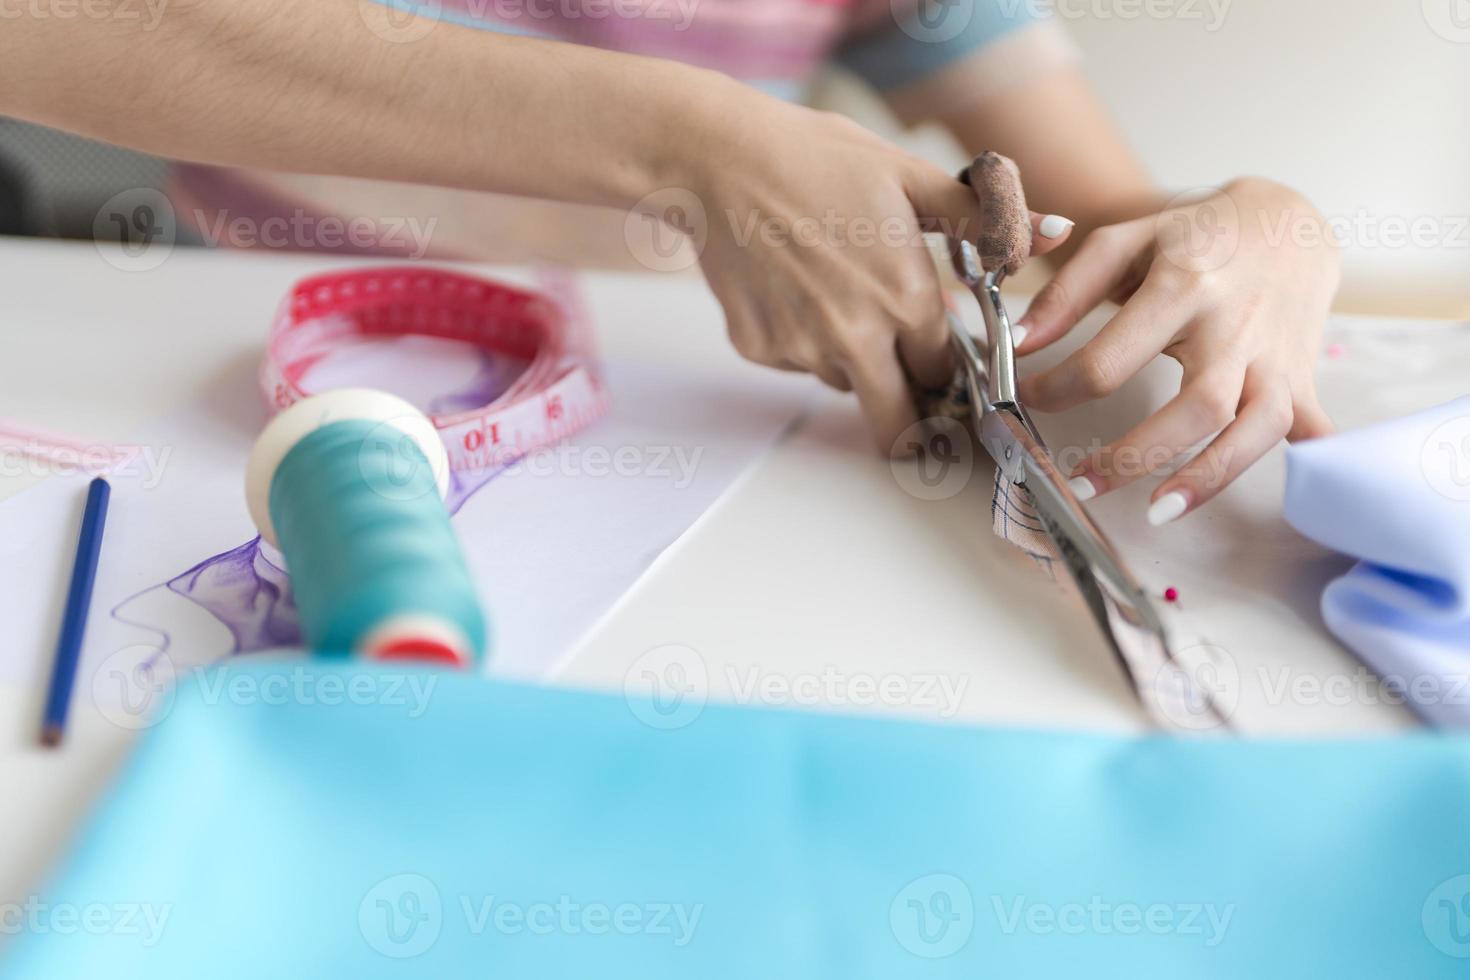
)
(310, 819)
(1396, 495)
(361, 837)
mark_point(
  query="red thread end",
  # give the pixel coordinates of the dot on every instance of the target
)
(422, 650)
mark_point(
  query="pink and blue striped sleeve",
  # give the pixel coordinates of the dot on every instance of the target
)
(932, 57)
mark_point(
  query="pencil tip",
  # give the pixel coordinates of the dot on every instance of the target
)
(51, 736)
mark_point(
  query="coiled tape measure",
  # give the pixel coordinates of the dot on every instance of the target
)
(558, 394)
(350, 484)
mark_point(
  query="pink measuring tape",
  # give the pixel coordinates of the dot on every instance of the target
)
(558, 393)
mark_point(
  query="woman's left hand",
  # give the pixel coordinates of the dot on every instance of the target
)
(1236, 287)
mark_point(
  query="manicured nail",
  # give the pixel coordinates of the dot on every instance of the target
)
(1018, 333)
(1055, 226)
(1082, 488)
(1167, 508)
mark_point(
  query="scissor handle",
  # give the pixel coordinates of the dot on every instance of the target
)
(986, 288)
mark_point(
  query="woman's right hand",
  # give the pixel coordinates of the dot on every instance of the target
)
(810, 230)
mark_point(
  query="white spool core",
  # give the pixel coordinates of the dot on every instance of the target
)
(340, 405)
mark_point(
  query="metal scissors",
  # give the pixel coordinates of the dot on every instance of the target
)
(1125, 614)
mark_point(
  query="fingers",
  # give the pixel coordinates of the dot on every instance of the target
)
(943, 204)
(1264, 418)
(829, 374)
(883, 392)
(833, 377)
(1132, 338)
(926, 353)
(946, 206)
(1309, 421)
(1049, 232)
(1092, 275)
(868, 364)
(1204, 406)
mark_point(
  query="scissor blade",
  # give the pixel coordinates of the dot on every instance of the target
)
(1032, 466)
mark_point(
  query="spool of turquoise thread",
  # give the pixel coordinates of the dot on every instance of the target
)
(349, 486)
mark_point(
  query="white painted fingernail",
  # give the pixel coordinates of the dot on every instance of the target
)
(1167, 508)
(1018, 334)
(1055, 226)
(1082, 488)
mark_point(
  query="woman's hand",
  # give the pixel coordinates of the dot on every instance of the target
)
(1236, 287)
(812, 241)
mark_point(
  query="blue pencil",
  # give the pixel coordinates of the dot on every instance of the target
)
(74, 620)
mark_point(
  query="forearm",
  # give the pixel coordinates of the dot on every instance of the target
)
(1073, 158)
(307, 87)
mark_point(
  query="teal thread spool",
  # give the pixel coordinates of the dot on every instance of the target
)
(349, 485)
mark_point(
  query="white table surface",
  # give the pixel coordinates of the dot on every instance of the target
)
(817, 580)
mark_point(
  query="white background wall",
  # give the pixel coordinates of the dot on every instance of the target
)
(1362, 104)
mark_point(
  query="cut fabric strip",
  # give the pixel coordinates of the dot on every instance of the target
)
(1177, 683)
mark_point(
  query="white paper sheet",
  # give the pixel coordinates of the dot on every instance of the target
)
(552, 541)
